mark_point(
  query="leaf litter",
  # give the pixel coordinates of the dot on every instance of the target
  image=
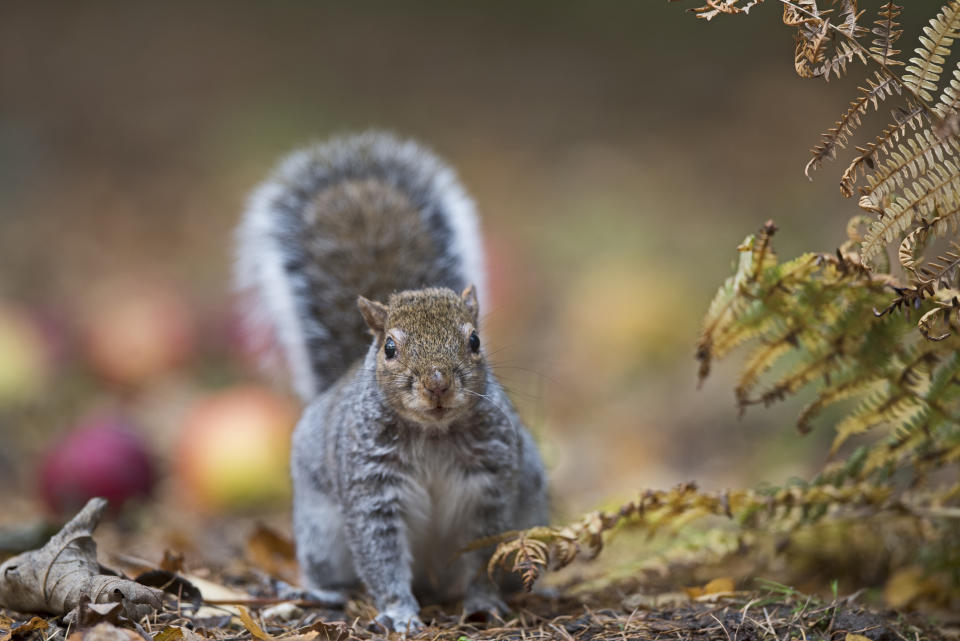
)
(242, 604)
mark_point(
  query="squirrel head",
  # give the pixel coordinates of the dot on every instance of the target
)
(430, 365)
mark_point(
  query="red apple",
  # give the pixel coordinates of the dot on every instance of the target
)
(233, 449)
(102, 456)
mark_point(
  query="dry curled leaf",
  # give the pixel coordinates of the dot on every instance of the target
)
(252, 626)
(54, 578)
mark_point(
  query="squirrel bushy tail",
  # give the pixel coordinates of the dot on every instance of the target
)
(362, 215)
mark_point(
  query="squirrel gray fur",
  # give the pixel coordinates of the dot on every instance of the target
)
(408, 449)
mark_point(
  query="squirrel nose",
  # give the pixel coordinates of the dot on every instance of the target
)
(436, 382)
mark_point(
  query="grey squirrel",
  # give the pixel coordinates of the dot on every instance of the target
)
(408, 449)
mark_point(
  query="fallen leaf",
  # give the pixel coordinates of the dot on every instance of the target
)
(90, 614)
(906, 585)
(721, 585)
(5, 624)
(24, 630)
(169, 633)
(273, 553)
(857, 637)
(54, 578)
(215, 592)
(252, 626)
(172, 561)
(172, 583)
(176, 633)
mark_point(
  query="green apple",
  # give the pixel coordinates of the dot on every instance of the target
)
(233, 449)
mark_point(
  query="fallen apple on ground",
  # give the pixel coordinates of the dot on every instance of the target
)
(233, 448)
(102, 456)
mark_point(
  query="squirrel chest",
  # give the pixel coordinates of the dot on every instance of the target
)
(439, 500)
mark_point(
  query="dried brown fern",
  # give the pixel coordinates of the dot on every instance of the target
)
(835, 139)
(887, 31)
(913, 181)
(922, 74)
(532, 552)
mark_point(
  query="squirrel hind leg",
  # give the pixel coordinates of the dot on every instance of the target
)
(326, 564)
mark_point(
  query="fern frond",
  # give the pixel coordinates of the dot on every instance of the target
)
(761, 360)
(713, 8)
(923, 72)
(802, 12)
(836, 138)
(779, 509)
(797, 377)
(909, 160)
(944, 268)
(912, 247)
(912, 117)
(945, 383)
(816, 34)
(756, 255)
(529, 557)
(947, 221)
(928, 320)
(949, 101)
(848, 17)
(917, 201)
(810, 54)
(837, 63)
(883, 232)
(836, 394)
(812, 324)
(887, 31)
(877, 409)
(937, 187)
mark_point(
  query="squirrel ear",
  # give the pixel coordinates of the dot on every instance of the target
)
(469, 298)
(374, 313)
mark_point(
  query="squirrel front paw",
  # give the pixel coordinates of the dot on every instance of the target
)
(400, 620)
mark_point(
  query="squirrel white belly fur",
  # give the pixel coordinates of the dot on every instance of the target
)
(409, 449)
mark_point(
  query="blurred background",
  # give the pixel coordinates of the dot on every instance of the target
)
(618, 152)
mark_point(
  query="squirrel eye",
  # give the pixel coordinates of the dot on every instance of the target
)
(389, 348)
(474, 343)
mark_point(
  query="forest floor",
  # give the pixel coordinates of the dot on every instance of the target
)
(740, 616)
(227, 591)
